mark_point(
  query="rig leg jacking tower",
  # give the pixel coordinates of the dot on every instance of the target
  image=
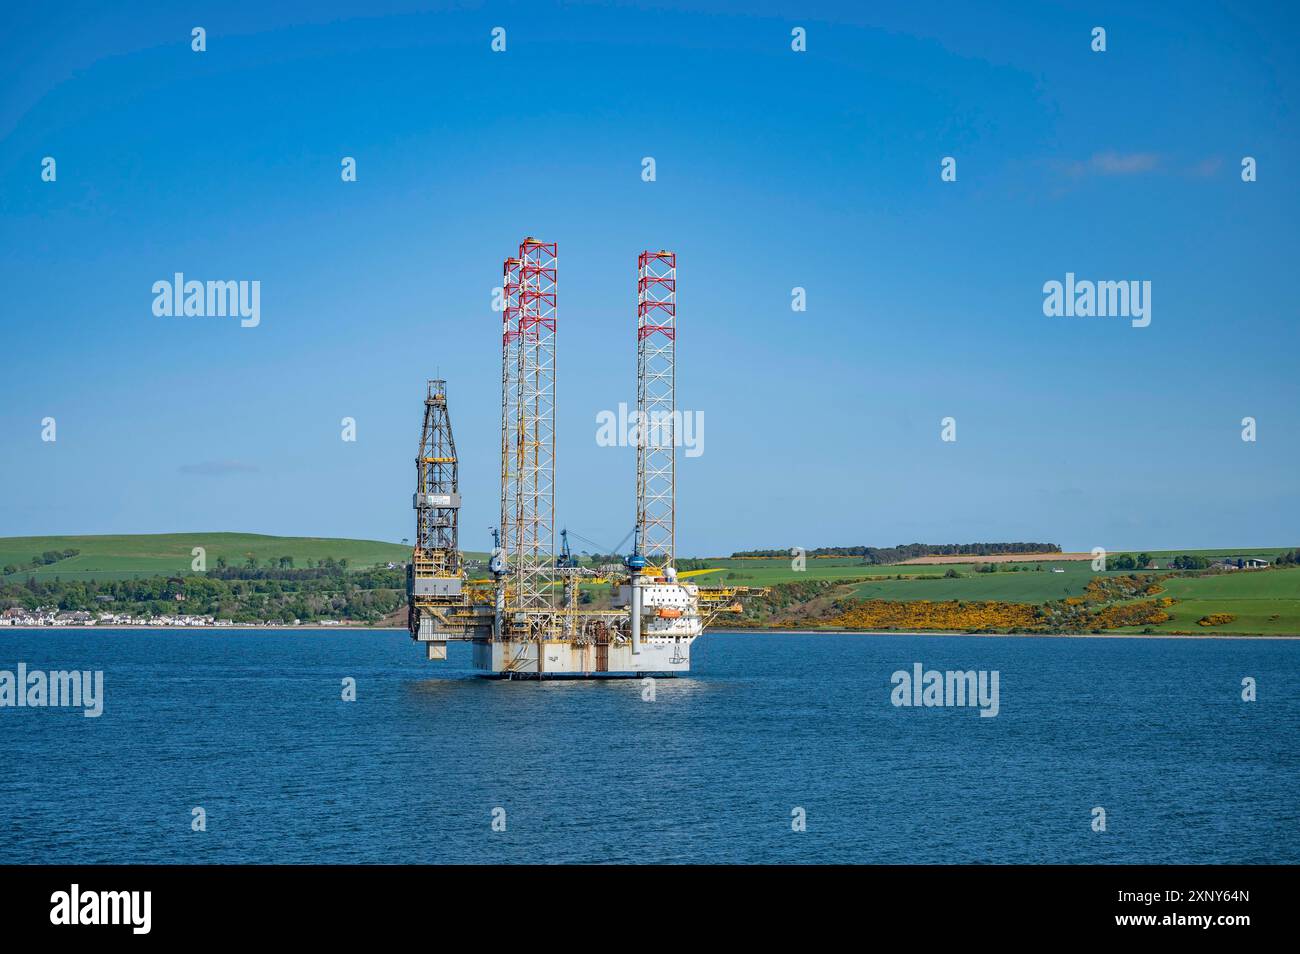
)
(528, 619)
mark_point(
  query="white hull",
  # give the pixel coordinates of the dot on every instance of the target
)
(573, 659)
(650, 630)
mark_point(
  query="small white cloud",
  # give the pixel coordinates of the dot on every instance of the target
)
(1112, 163)
(1118, 164)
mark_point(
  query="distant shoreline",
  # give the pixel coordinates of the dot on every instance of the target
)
(715, 632)
(250, 628)
(917, 632)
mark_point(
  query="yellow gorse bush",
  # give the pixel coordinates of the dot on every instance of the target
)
(1216, 619)
(945, 615)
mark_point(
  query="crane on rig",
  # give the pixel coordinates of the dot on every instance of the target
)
(528, 620)
(565, 561)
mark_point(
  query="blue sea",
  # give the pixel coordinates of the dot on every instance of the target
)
(250, 726)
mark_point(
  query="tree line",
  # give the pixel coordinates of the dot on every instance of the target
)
(909, 551)
(47, 558)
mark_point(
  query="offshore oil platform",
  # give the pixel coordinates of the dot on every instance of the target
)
(527, 619)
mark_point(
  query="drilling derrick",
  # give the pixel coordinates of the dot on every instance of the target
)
(439, 605)
(656, 405)
(508, 535)
(534, 553)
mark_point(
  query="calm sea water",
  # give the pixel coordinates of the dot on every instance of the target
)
(251, 727)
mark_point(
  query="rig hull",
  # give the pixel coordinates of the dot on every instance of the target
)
(561, 659)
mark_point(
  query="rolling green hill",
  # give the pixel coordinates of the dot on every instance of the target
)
(765, 572)
(112, 557)
(1025, 585)
(1263, 601)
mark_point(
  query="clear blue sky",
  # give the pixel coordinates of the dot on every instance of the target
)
(775, 169)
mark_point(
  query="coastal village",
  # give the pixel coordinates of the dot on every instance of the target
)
(53, 616)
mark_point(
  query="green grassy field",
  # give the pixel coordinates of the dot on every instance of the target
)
(154, 554)
(921, 582)
(1015, 586)
(767, 572)
(1264, 601)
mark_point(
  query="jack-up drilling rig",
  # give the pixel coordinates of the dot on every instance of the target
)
(528, 621)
